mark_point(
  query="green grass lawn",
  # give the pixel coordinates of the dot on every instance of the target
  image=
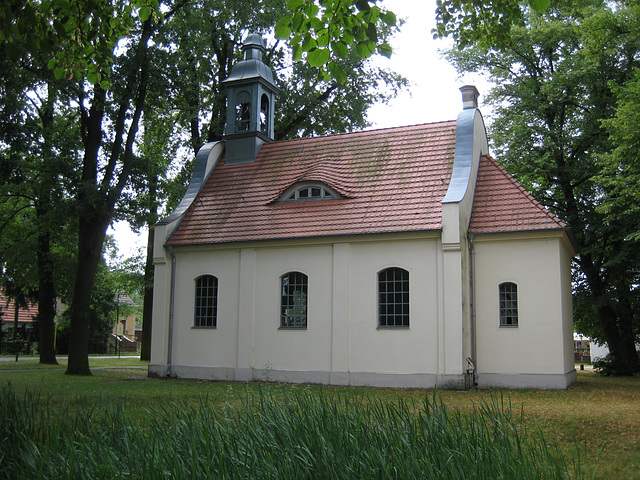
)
(599, 417)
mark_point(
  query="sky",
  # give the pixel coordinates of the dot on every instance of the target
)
(434, 89)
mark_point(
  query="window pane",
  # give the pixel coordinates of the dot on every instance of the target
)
(508, 297)
(393, 298)
(293, 303)
(206, 301)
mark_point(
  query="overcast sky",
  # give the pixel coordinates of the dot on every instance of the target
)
(434, 91)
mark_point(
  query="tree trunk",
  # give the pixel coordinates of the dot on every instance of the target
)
(147, 308)
(90, 240)
(46, 301)
(16, 313)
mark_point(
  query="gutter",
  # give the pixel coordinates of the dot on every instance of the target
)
(472, 361)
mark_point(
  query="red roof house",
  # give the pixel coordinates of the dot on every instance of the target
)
(396, 257)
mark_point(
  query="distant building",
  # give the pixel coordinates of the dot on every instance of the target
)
(25, 316)
(123, 335)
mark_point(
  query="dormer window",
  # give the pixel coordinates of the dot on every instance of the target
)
(309, 191)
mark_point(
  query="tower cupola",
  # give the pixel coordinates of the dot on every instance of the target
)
(251, 94)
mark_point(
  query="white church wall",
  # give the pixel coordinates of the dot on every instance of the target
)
(536, 352)
(206, 346)
(342, 343)
(394, 350)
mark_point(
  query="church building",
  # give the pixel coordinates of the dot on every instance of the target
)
(398, 257)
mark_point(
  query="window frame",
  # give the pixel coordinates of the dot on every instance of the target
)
(206, 319)
(243, 111)
(508, 304)
(385, 302)
(291, 320)
(326, 193)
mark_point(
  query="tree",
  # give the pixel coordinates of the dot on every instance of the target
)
(553, 93)
(486, 24)
(198, 47)
(101, 51)
(37, 147)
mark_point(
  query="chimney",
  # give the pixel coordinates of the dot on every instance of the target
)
(470, 96)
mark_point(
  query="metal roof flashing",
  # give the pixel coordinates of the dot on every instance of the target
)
(464, 156)
(206, 159)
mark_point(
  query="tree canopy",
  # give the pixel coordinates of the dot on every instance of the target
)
(98, 95)
(563, 106)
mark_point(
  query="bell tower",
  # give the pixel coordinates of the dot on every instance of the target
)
(251, 94)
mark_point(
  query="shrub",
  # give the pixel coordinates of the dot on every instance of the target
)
(608, 366)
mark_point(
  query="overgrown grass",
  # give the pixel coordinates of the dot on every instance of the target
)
(599, 415)
(283, 433)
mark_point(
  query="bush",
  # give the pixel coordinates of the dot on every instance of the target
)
(15, 347)
(608, 366)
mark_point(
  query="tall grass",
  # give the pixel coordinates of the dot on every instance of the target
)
(288, 433)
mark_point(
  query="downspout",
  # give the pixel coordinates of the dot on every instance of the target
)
(473, 360)
(171, 308)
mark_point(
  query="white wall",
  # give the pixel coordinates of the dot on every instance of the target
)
(342, 337)
(542, 342)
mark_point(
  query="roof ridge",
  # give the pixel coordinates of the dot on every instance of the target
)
(360, 132)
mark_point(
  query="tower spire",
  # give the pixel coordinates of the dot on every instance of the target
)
(251, 93)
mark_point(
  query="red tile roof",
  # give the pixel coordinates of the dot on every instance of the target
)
(501, 204)
(7, 311)
(393, 180)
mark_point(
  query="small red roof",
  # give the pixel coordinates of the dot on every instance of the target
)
(7, 311)
(392, 180)
(501, 204)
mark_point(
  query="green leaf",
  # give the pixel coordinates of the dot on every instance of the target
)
(282, 30)
(311, 10)
(337, 72)
(318, 57)
(340, 49)
(385, 50)
(309, 44)
(59, 73)
(294, 4)
(297, 53)
(365, 49)
(93, 77)
(539, 6)
(389, 18)
(363, 5)
(323, 40)
(372, 32)
(145, 13)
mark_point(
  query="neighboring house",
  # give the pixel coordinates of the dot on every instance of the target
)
(123, 334)
(8, 312)
(401, 257)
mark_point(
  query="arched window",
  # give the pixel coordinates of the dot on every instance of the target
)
(293, 300)
(206, 302)
(264, 114)
(508, 294)
(309, 191)
(393, 297)
(243, 111)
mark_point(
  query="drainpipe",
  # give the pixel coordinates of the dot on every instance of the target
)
(473, 359)
(171, 308)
